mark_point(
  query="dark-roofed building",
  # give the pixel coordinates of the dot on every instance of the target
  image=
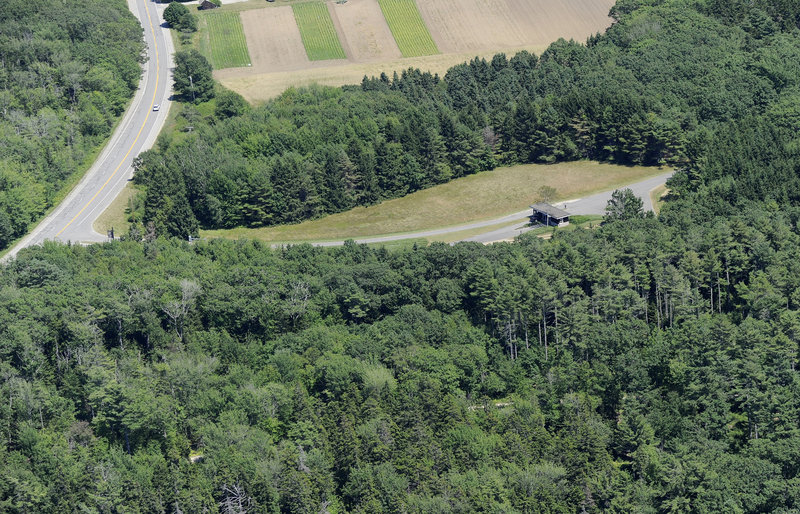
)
(205, 5)
(549, 215)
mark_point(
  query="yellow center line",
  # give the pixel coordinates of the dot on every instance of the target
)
(147, 116)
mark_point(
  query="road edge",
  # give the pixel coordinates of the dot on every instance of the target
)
(123, 126)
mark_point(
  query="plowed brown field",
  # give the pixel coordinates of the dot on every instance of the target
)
(365, 30)
(273, 40)
(460, 28)
(475, 25)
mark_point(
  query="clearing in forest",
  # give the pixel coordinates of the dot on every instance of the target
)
(226, 40)
(408, 28)
(483, 196)
(317, 31)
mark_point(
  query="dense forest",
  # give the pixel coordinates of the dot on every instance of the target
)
(648, 91)
(647, 365)
(67, 71)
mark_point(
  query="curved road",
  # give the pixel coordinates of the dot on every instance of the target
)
(592, 204)
(516, 222)
(72, 219)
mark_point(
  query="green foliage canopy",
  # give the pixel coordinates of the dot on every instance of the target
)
(68, 70)
(192, 76)
(660, 79)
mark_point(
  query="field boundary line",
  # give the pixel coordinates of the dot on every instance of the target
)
(337, 26)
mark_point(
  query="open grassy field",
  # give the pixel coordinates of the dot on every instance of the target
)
(227, 46)
(408, 29)
(317, 31)
(477, 197)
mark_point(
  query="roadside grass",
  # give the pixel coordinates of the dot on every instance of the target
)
(452, 237)
(401, 244)
(658, 196)
(116, 215)
(177, 127)
(408, 28)
(479, 197)
(72, 181)
(223, 40)
(317, 31)
(175, 130)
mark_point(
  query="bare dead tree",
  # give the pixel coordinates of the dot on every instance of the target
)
(490, 139)
(297, 301)
(301, 460)
(236, 500)
(177, 310)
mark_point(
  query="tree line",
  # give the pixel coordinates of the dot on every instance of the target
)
(647, 365)
(648, 91)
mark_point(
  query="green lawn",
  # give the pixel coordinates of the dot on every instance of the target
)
(483, 196)
(227, 44)
(408, 29)
(116, 215)
(317, 31)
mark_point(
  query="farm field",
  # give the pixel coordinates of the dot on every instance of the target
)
(317, 31)
(227, 45)
(475, 25)
(477, 197)
(273, 39)
(460, 29)
(408, 28)
(363, 26)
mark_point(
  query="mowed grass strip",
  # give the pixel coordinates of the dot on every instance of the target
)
(227, 41)
(317, 31)
(478, 197)
(408, 28)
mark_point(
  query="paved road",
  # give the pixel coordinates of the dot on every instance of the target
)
(137, 131)
(593, 204)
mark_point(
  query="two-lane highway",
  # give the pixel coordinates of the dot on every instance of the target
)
(72, 219)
